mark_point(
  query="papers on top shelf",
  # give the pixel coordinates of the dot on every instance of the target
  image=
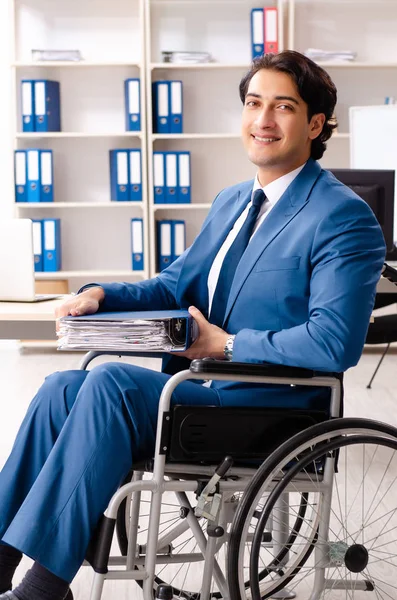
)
(175, 56)
(317, 54)
(66, 55)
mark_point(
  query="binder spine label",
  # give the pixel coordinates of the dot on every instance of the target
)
(20, 168)
(46, 168)
(135, 167)
(33, 165)
(122, 169)
(40, 98)
(27, 98)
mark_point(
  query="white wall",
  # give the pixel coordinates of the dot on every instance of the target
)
(6, 163)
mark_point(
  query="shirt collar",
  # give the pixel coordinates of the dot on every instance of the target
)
(274, 190)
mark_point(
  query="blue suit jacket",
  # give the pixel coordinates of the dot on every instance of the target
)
(305, 288)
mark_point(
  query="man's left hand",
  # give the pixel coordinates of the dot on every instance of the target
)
(211, 339)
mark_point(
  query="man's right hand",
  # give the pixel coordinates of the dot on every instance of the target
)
(86, 303)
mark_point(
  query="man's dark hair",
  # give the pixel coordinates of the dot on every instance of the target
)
(314, 85)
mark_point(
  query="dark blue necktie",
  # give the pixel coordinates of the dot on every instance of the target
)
(232, 259)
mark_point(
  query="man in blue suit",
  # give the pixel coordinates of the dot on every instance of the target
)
(284, 271)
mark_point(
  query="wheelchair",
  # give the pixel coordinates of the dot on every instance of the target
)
(256, 503)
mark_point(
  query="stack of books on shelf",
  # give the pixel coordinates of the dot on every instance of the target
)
(318, 55)
(56, 55)
(172, 177)
(125, 175)
(264, 31)
(47, 245)
(171, 241)
(34, 175)
(40, 105)
(167, 107)
(185, 57)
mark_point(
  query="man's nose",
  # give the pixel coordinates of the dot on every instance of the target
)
(265, 118)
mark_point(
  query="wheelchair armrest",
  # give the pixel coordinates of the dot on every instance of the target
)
(210, 366)
(92, 354)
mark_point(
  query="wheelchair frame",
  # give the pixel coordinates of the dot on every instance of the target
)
(158, 485)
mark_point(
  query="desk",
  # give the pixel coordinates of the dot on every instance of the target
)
(36, 320)
(28, 320)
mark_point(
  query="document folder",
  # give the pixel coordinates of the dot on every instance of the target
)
(270, 25)
(52, 244)
(135, 181)
(132, 93)
(33, 173)
(38, 244)
(47, 176)
(159, 177)
(119, 175)
(171, 177)
(257, 32)
(47, 105)
(183, 188)
(137, 244)
(21, 176)
(175, 107)
(161, 108)
(139, 331)
(27, 101)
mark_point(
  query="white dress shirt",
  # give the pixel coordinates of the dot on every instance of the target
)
(273, 192)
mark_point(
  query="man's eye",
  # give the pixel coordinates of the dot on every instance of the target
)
(251, 103)
(285, 107)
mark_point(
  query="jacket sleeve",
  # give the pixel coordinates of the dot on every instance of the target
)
(157, 293)
(348, 252)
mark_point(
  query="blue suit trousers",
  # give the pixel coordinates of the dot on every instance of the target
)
(82, 433)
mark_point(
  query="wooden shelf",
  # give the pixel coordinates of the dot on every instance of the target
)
(77, 134)
(195, 136)
(182, 206)
(203, 66)
(73, 64)
(83, 273)
(110, 204)
(354, 64)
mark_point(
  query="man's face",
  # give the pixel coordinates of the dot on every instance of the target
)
(275, 129)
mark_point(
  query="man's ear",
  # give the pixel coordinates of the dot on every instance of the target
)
(316, 125)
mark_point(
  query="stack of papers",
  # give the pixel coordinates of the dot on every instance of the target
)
(144, 331)
(62, 55)
(175, 56)
(317, 54)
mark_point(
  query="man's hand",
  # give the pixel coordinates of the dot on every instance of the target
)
(86, 303)
(210, 342)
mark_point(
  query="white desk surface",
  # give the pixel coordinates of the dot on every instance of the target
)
(29, 320)
(30, 311)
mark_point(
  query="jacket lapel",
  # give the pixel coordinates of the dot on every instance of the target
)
(192, 286)
(287, 207)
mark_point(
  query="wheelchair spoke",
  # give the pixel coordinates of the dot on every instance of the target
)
(378, 586)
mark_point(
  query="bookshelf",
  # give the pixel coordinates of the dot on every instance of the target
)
(95, 231)
(212, 108)
(363, 27)
(124, 39)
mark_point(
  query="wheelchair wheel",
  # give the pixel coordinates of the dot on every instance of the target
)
(185, 578)
(348, 468)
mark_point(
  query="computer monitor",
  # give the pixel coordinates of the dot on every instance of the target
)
(376, 187)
